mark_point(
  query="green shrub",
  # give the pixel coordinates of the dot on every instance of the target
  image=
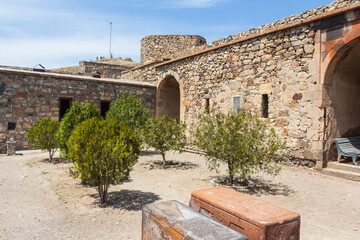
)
(77, 113)
(103, 152)
(165, 134)
(241, 140)
(129, 110)
(43, 135)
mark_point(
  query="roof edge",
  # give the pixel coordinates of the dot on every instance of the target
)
(276, 29)
(78, 78)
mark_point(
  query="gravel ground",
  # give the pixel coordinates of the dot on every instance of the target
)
(39, 200)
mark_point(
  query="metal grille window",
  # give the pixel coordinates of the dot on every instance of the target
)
(236, 102)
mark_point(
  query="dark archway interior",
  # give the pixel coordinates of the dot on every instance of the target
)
(168, 98)
(343, 87)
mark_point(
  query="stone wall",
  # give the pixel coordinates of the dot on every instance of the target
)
(296, 18)
(159, 47)
(280, 65)
(282, 61)
(106, 70)
(26, 97)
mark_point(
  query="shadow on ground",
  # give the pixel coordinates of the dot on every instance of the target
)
(131, 200)
(256, 186)
(56, 160)
(148, 153)
(177, 165)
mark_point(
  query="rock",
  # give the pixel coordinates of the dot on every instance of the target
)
(308, 48)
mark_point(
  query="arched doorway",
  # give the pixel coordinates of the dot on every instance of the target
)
(342, 86)
(168, 98)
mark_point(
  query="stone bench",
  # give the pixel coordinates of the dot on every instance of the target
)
(250, 216)
(348, 147)
(174, 220)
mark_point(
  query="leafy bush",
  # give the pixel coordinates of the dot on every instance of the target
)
(43, 135)
(103, 152)
(77, 113)
(129, 110)
(165, 134)
(241, 140)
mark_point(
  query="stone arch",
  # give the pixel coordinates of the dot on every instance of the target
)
(332, 55)
(342, 90)
(169, 97)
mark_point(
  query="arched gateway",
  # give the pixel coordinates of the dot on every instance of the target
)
(342, 87)
(168, 98)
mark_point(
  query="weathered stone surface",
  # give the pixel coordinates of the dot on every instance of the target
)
(247, 215)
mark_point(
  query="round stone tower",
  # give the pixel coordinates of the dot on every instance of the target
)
(166, 47)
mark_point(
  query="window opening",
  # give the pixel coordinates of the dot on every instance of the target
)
(105, 106)
(11, 125)
(265, 106)
(207, 106)
(236, 103)
(65, 104)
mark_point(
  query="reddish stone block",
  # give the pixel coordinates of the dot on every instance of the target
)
(176, 221)
(21, 95)
(250, 216)
(356, 25)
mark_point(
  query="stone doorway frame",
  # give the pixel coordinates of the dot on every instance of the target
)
(325, 67)
(181, 90)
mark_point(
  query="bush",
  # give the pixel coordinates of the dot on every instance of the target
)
(103, 152)
(129, 110)
(77, 113)
(165, 134)
(43, 135)
(241, 140)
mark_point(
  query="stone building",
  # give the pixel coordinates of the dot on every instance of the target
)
(300, 72)
(28, 96)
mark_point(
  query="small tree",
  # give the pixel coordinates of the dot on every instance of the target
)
(103, 152)
(77, 113)
(241, 140)
(129, 110)
(43, 135)
(165, 134)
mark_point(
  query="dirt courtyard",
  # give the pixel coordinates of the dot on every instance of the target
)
(39, 200)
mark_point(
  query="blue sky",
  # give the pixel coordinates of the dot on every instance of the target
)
(57, 33)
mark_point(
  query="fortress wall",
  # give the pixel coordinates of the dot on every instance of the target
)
(159, 47)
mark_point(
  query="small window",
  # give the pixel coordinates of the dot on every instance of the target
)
(207, 105)
(105, 106)
(265, 106)
(65, 104)
(236, 103)
(11, 125)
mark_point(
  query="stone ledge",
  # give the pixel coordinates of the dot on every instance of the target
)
(78, 78)
(273, 30)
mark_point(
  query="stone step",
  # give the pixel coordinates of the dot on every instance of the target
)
(342, 174)
(344, 166)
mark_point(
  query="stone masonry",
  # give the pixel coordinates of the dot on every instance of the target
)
(106, 70)
(26, 97)
(160, 47)
(281, 62)
(299, 72)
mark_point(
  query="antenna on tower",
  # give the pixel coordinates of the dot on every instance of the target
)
(110, 54)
